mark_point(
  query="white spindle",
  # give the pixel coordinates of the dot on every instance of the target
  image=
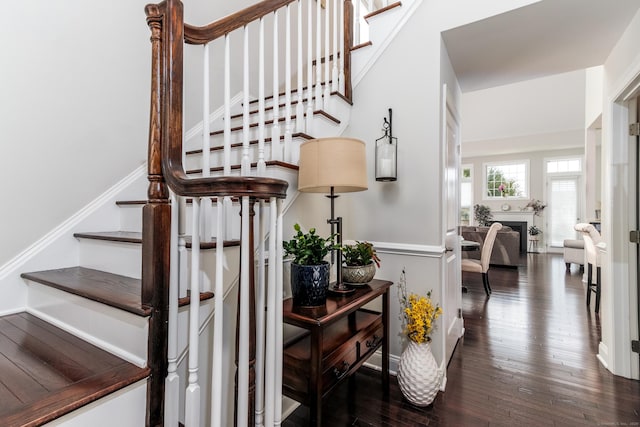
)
(278, 315)
(327, 54)
(192, 398)
(261, 106)
(246, 120)
(227, 107)
(318, 90)
(272, 300)
(261, 300)
(207, 232)
(309, 115)
(243, 327)
(276, 146)
(299, 74)
(183, 280)
(356, 22)
(334, 36)
(341, 85)
(287, 82)
(218, 327)
(172, 382)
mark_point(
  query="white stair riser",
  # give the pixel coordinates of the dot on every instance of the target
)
(131, 217)
(123, 408)
(109, 328)
(113, 257)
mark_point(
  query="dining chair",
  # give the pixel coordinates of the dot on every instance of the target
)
(482, 265)
(591, 239)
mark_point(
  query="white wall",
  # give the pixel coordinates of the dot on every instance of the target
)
(75, 85)
(619, 303)
(539, 114)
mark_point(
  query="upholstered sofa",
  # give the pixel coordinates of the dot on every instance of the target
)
(506, 249)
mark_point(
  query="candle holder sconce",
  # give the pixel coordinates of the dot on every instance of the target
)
(387, 153)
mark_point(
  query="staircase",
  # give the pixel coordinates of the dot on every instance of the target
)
(101, 331)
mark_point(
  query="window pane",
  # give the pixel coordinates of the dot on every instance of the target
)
(564, 210)
(507, 180)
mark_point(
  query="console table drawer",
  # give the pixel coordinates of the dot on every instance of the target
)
(345, 345)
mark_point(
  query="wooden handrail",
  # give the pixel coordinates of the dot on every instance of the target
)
(172, 163)
(202, 35)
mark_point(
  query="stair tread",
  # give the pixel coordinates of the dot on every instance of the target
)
(47, 372)
(253, 165)
(252, 142)
(136, 237)
(113, 236)
(280, 119)
(112, 289)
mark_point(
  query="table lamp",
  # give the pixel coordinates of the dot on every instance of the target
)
(333, 165)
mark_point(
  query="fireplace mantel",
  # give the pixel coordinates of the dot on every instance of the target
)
(515, 216)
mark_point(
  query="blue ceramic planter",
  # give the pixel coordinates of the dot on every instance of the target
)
(309, 284)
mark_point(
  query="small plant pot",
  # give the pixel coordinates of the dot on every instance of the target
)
(358, 273)
(309, 284)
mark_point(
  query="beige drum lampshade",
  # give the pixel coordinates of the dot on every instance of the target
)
(340, 163)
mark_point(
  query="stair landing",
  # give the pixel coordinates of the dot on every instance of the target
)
(47, 372)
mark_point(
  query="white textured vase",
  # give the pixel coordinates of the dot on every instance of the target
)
(418, 374)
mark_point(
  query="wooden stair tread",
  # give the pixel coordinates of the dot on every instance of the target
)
(253, 165)
(252, 142)
(111, 289)
(136, 237)
(47, 372)
(112, 236)
(382, 10)
(280, 119)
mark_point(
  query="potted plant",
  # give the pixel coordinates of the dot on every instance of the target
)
(483, 215)
(419, 376)
(536, 206)
(534, 232)
(360, 262)
(309, 270)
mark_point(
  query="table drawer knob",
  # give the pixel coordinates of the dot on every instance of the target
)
(341, 373)
(373, 342)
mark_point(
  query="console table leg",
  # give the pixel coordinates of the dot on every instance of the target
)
(385, 343)
(315, 385)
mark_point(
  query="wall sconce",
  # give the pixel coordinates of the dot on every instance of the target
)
(387, 153)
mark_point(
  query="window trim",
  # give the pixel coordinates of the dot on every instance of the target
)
(527, 174)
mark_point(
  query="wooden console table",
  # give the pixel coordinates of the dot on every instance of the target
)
(336, 340)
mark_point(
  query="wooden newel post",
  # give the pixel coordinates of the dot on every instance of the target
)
(252, 322)
(156, 226)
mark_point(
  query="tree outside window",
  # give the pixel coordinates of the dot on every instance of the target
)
(506, 180)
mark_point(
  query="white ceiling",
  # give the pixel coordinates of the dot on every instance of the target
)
(545, 38)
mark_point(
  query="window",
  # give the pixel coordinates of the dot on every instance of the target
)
(564, 165)
(510, 180)
(466, 193)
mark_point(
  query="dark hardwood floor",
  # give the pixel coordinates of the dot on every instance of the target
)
(528, 357)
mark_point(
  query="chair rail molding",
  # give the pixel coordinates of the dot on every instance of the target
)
(410, 249)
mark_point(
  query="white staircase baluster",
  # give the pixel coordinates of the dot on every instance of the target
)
(261, 107)
(260, 317)
(341, 84)
(183, 280)
(243, 327)
(172, 382)
(334, 37)
(318, 90)
(192, 397)
(278, 314)
(309, 115)
(276, 146)
(299, 74)
(356, 22)
(218, 326)
(327, 54)
(227, 108)
(246, 120)
(287, 82)
(272, 300)
(207, 232)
